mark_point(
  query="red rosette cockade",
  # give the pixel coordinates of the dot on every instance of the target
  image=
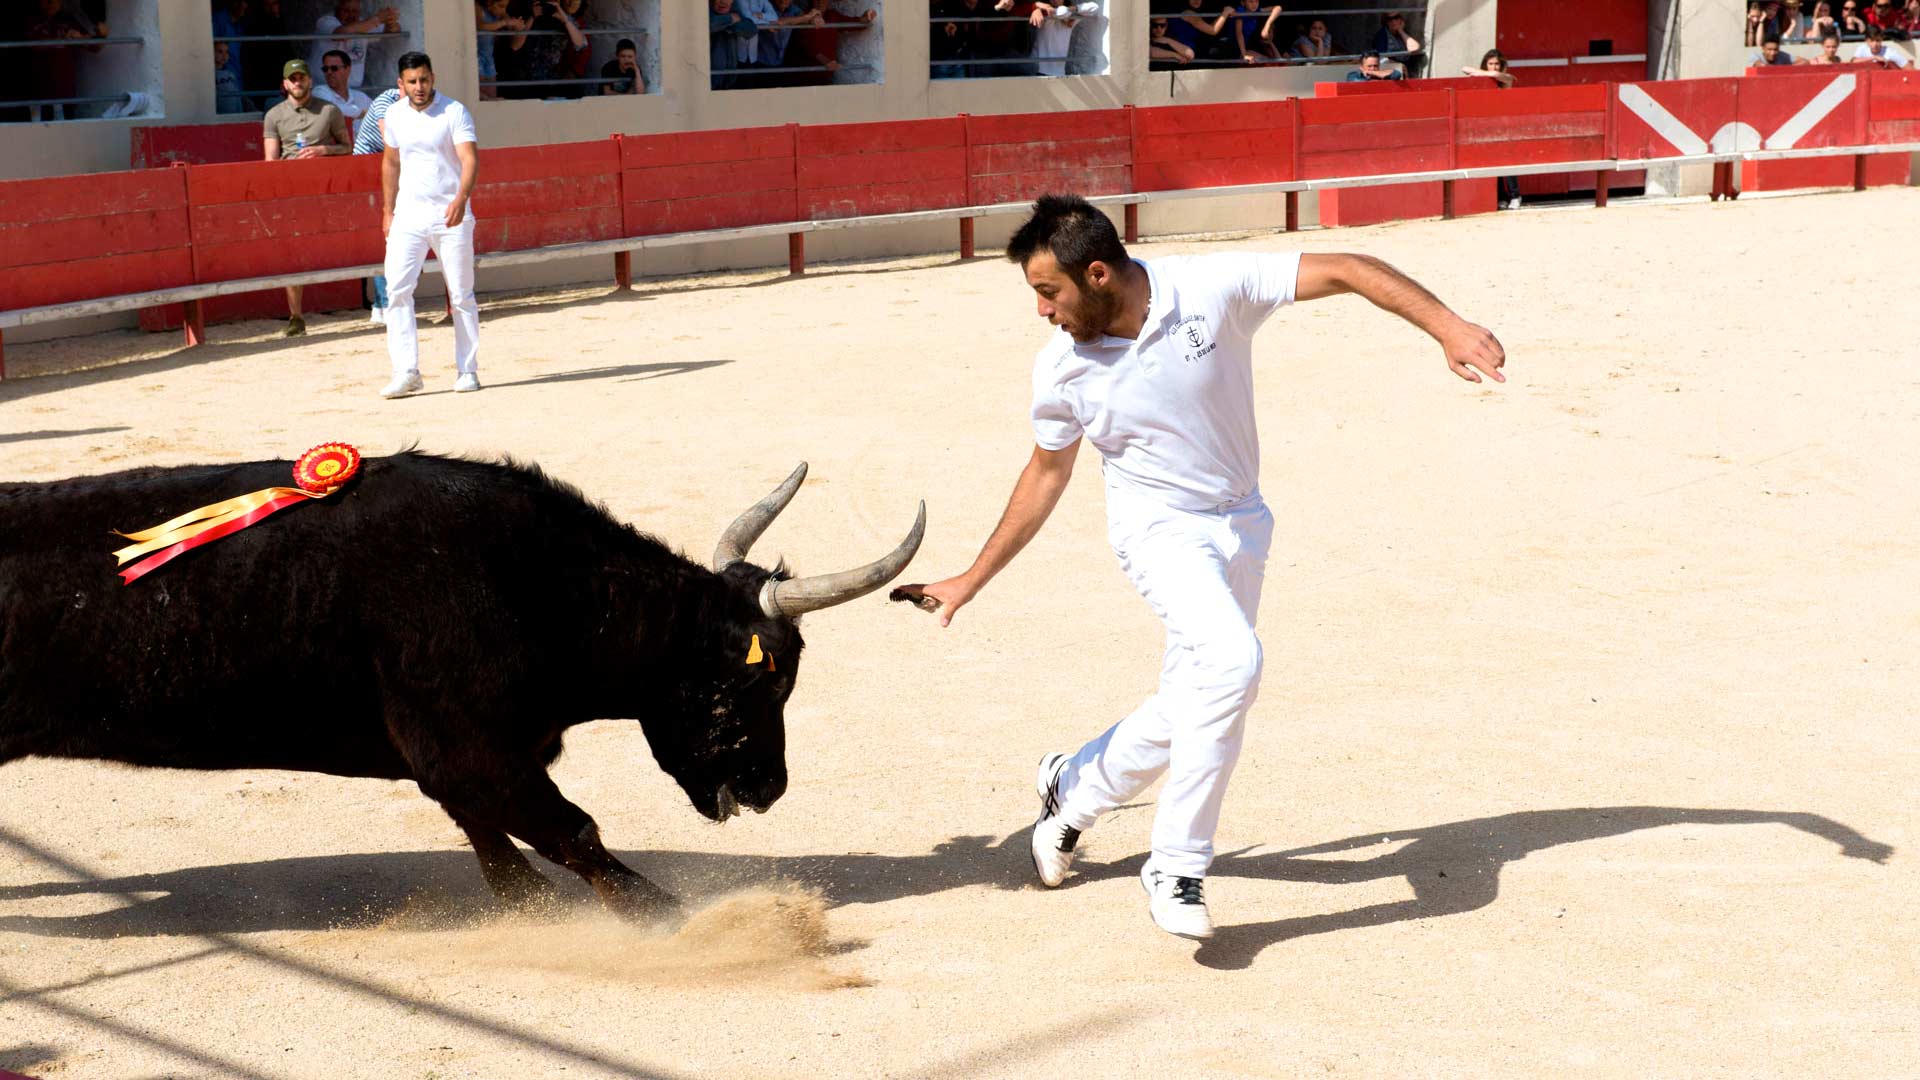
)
(320, 472)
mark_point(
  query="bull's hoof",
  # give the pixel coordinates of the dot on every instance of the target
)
(637, 899)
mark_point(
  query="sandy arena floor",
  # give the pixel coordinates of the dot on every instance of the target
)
(1586, 746)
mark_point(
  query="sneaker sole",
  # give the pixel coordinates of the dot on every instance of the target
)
(1049, 771)
(1148, 889)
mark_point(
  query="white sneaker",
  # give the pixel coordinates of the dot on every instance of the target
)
(1053, 839)
(1513, 204)
(1177, 904)
(378, 315)
(1088, 9)
(466, 384)
(402, 385)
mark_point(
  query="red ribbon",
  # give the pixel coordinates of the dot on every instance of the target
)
(165, 555)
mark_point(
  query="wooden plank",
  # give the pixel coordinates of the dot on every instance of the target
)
(285, 219)
(1021, 187)
(91, 237)
(944, 165)
(897, 198)
(1213, 144)
(1524, 100)
(547, 230)
(829, 140)
(62, 197)
(161, 145)
(697, 147)
(1528, 152)
(85, 279)
(1028, 157)
(1316, 112)
(1195, 119)
(1047, 126)
(1886, 107)
(1378, 139)
(723, 211)
(546, 195)
(1222, 172)
(1893, 131)
(259, 258)
(694, 181)
(597, 158)
(271, 181)
(1498, 129)
(1377, 163)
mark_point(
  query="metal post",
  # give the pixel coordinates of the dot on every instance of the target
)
(1446, 198)
(796, 253)
(966, 238)
(623, 270)
(1132, 217)
(193, 320)
(1293, 211)
(1601, 180)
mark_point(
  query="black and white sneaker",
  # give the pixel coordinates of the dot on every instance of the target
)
(1053, 839)
(1178, 904)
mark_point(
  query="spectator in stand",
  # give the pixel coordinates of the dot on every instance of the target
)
(369, 139)
(299, 128)
(334, 66)
(776, 21)
(266, 59)
(491, 16)
(554, 49)
(1851, 24)
(1252, 32)
(230, 20)
(54, 72)
(1772, 55)
(1822, 21)
(726, 28)
(819, 42)
(1314, 43)
(1207, 37)
(1371, 71)
(1876, 51)
(226, 84)
(1493, 65)
(1794, 26)
(1053, 36)
(1010, 36)
(1829, 49)
(1163, 51)
(953, 43)
(346, 20)
(1392, 37)
(623, 73)
(1890, 18)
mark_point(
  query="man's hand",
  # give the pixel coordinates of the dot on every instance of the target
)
(386, 221)
(312, 152)
(1473, 349)
(457, 212)
(944, 598)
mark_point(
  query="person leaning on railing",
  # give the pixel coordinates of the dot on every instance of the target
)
(1253, 32)
(1163, 52)
(623, 72)
(1393, 38)
(1314, 43)
(726, 29)
(1205, 34)
(1493, 65)
(1876, 51)
(819, 43)
(1851, 24)
(1371, 71)
(1829, 50)
(491, 16)
(346, 19)
(556, 50)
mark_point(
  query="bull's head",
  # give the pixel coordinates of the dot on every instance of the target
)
(728, 749)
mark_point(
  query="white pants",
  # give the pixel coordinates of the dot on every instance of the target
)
(1201, 572)
(407, 244)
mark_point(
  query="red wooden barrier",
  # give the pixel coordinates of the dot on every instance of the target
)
(1893, 106)
(1672, 119)
(196, 144)
(1372, 135)
(692, 180)
(845, 170)
(1022, 156)
(544, 196)
(1196, 146)
(78, 237)
(1343, 88)
(1811, 106)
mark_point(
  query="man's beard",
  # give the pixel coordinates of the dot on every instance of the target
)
(1097, 311)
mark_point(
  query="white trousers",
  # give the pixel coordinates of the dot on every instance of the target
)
(407, 244)
(1201, 572)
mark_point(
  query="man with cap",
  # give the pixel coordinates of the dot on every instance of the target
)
(298, 128)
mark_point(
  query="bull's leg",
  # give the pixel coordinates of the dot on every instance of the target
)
(512, 878)
(530, 807)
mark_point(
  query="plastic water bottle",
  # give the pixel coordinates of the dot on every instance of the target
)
(299, 141)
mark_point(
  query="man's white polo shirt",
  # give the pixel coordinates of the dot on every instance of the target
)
(1172, 412)
(429, 168)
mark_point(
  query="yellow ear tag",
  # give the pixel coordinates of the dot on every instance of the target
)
(754, 655)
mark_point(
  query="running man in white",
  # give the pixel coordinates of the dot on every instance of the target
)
(1154, 364)
(426, 178)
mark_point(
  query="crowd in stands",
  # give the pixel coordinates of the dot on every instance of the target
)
(755, 44)
(1797, 22)
(975, 39)
(1873, 50)
(52, 72)
(246, 73)
(1184, 33)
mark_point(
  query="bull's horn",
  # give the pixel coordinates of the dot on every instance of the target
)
(739, 537)
(790, 599)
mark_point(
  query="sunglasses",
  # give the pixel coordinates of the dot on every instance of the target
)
(331, 67)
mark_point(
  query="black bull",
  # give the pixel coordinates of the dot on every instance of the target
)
(437, 620)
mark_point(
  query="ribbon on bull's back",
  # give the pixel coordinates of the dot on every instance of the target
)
(320, 472)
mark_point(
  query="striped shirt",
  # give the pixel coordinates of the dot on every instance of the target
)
(367, 138)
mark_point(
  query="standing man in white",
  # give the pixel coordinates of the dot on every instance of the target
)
(1154, 364)
(428, 174)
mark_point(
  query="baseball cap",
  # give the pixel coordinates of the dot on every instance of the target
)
(295, 67)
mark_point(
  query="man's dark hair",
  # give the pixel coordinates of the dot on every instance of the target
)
(1369, 53)
(1770, 39)
(411, 60)
(1829, 36)
(344, 58)
(1075, 233)
(625, 43)
(1874, 33)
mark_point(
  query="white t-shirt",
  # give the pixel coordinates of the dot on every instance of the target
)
(429, 168)
(1172, 412)
(1053, 38)
(357, 49)
(1887, 52)
(350, 106)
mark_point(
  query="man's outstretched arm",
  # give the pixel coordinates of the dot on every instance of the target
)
(1471, 350)
(1034, 496)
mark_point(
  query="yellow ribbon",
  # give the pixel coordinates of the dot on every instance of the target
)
(194, 522)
